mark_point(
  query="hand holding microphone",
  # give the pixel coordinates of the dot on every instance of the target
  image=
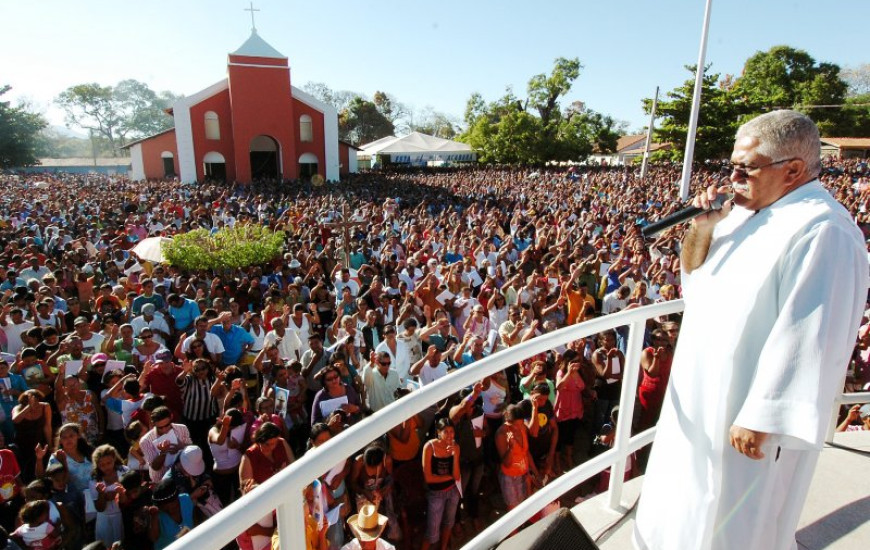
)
(708, 207)
(715, 203)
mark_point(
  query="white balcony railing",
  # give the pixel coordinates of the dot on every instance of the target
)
(283, 492)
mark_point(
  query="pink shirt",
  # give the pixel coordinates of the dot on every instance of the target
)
(569, 398)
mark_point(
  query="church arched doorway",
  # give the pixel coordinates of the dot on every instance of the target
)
(214, 167)
(265, 158)
(307, 166)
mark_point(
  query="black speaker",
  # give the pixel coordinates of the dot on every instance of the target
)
(558, 531)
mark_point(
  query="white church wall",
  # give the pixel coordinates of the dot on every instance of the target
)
(330, 131)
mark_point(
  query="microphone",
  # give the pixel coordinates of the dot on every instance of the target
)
(681, 216)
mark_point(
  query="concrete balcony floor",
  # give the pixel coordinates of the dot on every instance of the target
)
(836, 515)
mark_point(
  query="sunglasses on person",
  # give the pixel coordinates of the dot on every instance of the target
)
(743, 171)
(331, 378)
(164, 428)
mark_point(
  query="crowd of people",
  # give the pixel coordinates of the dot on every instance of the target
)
(138, 399)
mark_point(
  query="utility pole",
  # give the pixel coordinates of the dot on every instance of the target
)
(649, 134)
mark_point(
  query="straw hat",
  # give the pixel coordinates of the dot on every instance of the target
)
(368, 524)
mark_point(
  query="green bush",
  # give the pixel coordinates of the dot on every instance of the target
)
(228, 248)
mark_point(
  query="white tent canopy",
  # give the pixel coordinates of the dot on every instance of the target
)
(417, 148)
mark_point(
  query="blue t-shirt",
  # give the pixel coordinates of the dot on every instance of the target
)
(140, 301)
(233, 341)
(468, 359)
(168, 528)
(15, 382)
(185, 315)
(452, 257)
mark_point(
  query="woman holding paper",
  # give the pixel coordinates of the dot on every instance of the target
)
(335, 395)
(609, 363)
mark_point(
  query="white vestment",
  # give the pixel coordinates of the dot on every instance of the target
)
(770, 323)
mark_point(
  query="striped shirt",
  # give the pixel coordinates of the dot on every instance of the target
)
(196, 395)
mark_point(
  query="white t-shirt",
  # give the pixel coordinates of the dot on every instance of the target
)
(94, 344)
(429, 374)
(212, 342)
(13, 335)
(288, 346)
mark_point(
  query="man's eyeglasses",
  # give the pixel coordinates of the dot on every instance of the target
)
(163, 428)
(744, 170)
(386, 363)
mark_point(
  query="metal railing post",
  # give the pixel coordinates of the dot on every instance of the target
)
(843, 399)
(291, 520)
(626, 411)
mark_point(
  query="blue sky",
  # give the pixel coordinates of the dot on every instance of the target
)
(424, 53)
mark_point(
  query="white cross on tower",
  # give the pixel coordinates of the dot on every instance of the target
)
(252, 10)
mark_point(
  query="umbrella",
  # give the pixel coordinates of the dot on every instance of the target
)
(41, 184)
(151, 249)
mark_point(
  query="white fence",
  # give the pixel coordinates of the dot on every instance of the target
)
(283, 492)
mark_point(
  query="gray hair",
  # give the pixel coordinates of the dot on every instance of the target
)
(784, 134)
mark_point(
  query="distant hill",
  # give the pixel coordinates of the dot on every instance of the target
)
(59, 142)
(67, 132)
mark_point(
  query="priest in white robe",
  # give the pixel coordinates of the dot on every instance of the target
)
(774, 290)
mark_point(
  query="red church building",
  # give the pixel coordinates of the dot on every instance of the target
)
(253, 124)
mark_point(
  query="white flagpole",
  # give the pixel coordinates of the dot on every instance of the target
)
(649, 133)
(696, 105)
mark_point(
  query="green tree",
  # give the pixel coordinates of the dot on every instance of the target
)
(475, 107)
(546, 90)
(502, 131)
(116, 114)
(535, 130)
(787, 78)
(855, 117)
(142, 110)
(361, 122)
(93, 107)
(718, 118)
(19, 134)
(585, 131)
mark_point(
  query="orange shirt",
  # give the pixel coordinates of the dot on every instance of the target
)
(517, 464)
(406, 451)
(575, 305)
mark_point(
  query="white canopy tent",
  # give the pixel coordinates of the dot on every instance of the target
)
(416, 149)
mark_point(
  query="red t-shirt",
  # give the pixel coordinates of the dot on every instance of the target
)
(161, 384)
